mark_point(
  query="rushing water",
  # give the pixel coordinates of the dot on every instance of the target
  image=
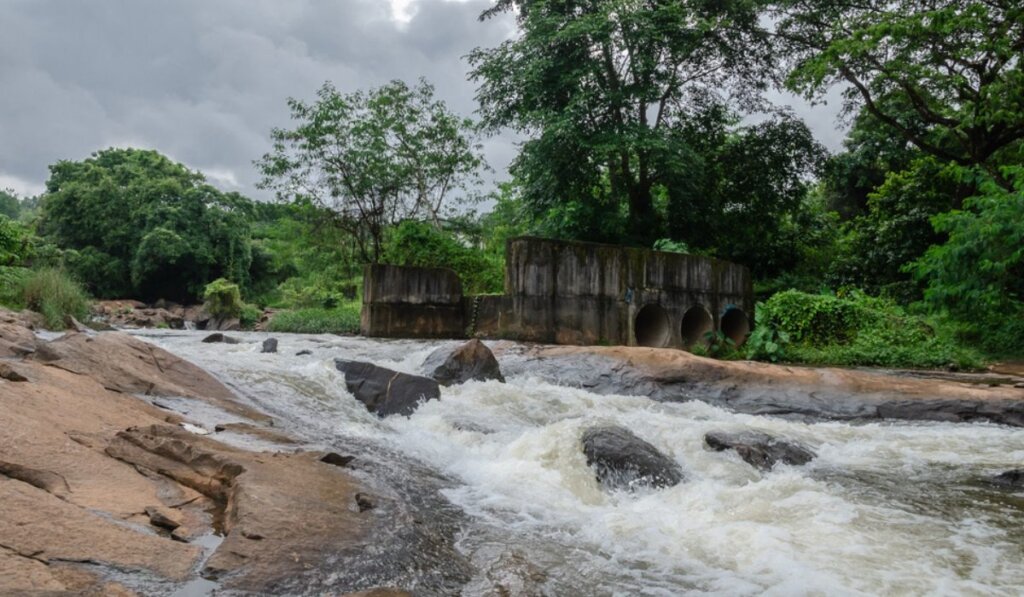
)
(885, 508)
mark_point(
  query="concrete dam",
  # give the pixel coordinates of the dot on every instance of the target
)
(561, 292)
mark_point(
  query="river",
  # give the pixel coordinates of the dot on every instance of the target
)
(885, 508)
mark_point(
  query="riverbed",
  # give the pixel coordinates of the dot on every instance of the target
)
(885, 508)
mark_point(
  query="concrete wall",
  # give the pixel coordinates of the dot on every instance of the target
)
(567, 293)
(412, 302)
(586, 293)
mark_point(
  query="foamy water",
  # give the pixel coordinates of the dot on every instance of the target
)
(892, 508)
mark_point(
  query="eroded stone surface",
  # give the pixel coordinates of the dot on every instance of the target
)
(621, 460)
(384, 391)
(471, 361)
(760, 450)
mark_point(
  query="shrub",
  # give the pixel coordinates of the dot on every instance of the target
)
(54, 294)
(855, 329)
(766, 343)
(343, 320)
(223, 299)
(250, 316)
(421, 244)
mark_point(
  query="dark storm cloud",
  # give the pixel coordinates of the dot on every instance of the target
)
(204, 81)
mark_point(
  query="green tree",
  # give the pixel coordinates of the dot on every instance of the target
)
(374, 158)
(10, 206)
(602, 87)
(141, 225)
(946, 75)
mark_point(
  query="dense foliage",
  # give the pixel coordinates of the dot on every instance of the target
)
(420, 244)
(374, 159)
(142, 225)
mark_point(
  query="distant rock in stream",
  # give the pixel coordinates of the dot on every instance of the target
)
(1010, 479)
(269, 345)
(220, 338)
(386, 392)
(621, 460)
(760, 450)
(469, 361)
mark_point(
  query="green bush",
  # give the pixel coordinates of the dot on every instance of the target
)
(342, 320)
(766, 343)
(223, 299)
(857, 330)
(421, 244)
(250, 316)
(53, 293)
(14, 242)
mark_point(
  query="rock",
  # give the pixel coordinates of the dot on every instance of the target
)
(386, 392)
(48, 481)
(336, 459)
(760, 450)
(8, 372)
(73, 324)
(380, 592)
(1010, 479)
(470, 361)
(264, 433)
(814, 393)
(1019, 385)
(269, 345)
(126, 364)
(163, 517)
(621, 460)
(100, 326)
(228, 324)
(218, 337)
(303, 353)
(16, 336)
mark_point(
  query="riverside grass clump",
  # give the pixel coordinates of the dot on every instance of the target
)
(854, 329)
(343, 319)
(51, 292)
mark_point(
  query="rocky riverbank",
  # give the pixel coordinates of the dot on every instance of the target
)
(106, 492)
(764, 389)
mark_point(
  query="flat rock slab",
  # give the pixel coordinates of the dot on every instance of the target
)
(764, 389)
(126, 364)
(384, 391)
(621, 460)
(471, 361)
(760, 450)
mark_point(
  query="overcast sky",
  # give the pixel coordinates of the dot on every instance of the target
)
(204, 81)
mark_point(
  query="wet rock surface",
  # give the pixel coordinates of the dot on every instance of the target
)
(384, 391)
(621, 460)
(760, 450)
(269, 345)
(1009, 480)
(471, 361)
(763, 389)
(220, 338)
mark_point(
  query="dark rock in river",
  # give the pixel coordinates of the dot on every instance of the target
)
(269, 345)
(621, 460)
(1010, 479)
(220, 338)
(758, 449)
(303, 353)
(470, 361)
(386, 392)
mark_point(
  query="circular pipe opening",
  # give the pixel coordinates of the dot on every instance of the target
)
(652, 327)
(697, 322)
(736, 325)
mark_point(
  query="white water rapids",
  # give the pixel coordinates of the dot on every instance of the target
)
(885, 508)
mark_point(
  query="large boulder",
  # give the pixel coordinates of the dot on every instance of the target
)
(386, 392)
(220, 338)
(269, 345)
(621, 460)
(758, 449)
(456, 365)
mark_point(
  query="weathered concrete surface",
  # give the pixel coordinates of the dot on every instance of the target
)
(411, 302)
(586, 293)
(761, 388)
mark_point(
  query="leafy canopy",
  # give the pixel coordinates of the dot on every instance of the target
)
(141, 225)
(946, 75)
(374, 158)
(602, 88)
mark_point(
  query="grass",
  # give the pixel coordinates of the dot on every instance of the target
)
(48, 291)
(340, 320)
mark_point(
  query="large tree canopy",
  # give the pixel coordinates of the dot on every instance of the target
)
(144, 226)
(602, 87)
(946, 75)
(375, 158)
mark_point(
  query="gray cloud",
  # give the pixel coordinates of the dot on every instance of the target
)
(204, 82)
